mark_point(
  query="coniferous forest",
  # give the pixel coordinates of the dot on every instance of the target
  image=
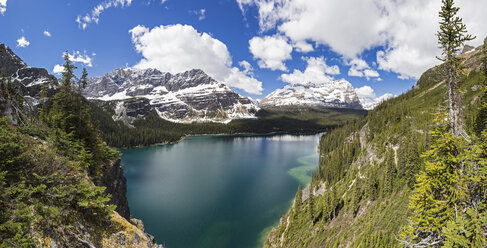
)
(154, 130)
(412, 172)
(53, 168)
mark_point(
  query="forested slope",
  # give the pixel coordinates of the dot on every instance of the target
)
(56, 173)
(368, 169)
(154, 130)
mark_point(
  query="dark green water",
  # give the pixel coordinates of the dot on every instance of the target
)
(217, 191)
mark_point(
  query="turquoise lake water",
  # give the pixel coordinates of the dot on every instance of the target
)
(217, 191)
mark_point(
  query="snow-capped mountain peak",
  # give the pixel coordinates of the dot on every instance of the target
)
(184, 97)
(335, 94)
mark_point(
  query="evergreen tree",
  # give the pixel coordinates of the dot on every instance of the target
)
(311, 204)
(69, 112)
(390, 173)
(481, 118)
(83, 82)
(451, 37)
(357, 196)
(409, 159)
(68, 72)
(440, 191)
(467, 230)
(298, 198)
(484, 58)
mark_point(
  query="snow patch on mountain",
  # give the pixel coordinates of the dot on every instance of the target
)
(335, 94)
(186, 97)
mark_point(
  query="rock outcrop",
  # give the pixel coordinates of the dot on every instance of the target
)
(30, 80)
(116, 185)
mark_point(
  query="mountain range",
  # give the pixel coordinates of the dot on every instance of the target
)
(336, 94)
(193, 96)
(186, 97)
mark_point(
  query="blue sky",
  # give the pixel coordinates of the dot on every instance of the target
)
(345, 39)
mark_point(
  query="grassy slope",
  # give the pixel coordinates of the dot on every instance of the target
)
(355, 209)
(153, 130)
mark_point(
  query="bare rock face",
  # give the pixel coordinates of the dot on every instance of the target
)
(467, 49)
(30, 80)
(132, 109)
(116, 185)
(337, 94)
(192, 96)
(25, 81)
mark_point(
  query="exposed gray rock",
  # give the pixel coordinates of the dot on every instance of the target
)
(467, 48)
(29, 80)
(120, 237)
(336, 94)
(183, 97)
(8, 109)
(116, 185)
(129, 110)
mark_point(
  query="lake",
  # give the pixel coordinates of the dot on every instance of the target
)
(217, 191)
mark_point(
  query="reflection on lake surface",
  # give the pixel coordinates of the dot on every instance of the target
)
(217, 191)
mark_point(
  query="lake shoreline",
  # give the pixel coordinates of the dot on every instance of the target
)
(219, 135)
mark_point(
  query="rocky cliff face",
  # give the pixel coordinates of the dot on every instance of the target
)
(337, 94)
(192, 96)
(29, 79)
(116, 184)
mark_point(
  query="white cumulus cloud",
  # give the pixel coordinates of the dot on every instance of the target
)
(58, 69)
(94, 14)
(46, 33)
(369, 99)
(405, 29)
(303, 47)
(78, 57)
(22, 42)
(317, 71)
(178, 48)
(248, 69)
(360, 68)
(3, 6)
(271, 51)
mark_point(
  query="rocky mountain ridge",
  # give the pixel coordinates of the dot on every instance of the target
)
(336, 94)
(191, 96)
(29, 79)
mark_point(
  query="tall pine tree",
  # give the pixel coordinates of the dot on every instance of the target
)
(298, 198)
(481, 118)
(451, 37)
(311, 204)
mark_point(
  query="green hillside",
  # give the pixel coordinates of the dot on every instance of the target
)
(60, 184)
(368, 168)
